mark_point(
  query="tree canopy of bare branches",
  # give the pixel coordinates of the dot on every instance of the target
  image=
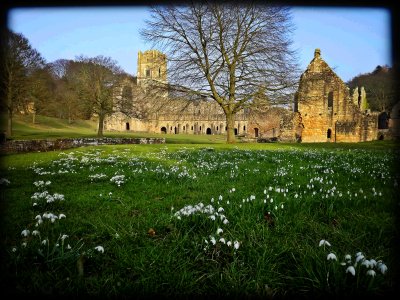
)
(226, 51)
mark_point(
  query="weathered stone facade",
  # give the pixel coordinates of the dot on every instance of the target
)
(328, 112)
(324, 110)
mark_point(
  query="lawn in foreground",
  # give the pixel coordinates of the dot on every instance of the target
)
(200, 219)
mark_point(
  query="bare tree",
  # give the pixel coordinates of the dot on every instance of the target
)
(226, 51)
(99, 76)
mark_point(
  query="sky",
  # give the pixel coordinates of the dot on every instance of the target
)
(353, 40)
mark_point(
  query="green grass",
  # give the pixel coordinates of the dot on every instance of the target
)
(343, 193)
(53, 128)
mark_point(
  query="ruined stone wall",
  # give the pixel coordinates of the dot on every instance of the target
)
(59, 144)
(327, 109)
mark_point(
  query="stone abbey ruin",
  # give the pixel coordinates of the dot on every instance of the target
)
(324, 110)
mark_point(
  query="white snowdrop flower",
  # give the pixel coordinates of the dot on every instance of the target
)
(44, 242)
(219, 230)
(347, 257)
(282, 206)
(366, 263)
(227, 202)
(265, 192)
(382, 268)
(220, 209)
(272, 200)
(220, 198)
(24, 244)
(342, 263)
(206, 241)
(240, 206)
(99, 248)
(372, 262)
(351, 270)
(265, 201)
(69, 247)
(236, 244)
(64, 237)
(233, 189)
(222, 240)
(252, 197)
(270, 188)
(371, 273)
(38, 217)
(296, 195)
(14, 249)
(212, 199)
(359, 257)
(212, 217)
(331, 256)
(35, 232)
(34, 204)
(25, 232)
(62, 216)
(229, 243)
(225, 221)
(212, 240)
(323, 243)
(276, 207)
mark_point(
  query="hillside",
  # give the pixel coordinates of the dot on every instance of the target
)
(54, 128)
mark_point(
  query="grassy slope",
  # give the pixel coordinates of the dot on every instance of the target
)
(52, 128)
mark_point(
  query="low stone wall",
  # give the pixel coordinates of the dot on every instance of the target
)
(59, 144)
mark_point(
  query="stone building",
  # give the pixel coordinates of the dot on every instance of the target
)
(324, 109)
(327, 110)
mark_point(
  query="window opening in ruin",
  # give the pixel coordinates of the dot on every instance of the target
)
(159, 72)
(273, 132)
(127, 126)
(175, 130)
(329, 133)
(383, 121)
(255, 132)
(200, 128)
(217, 128)
(147, 73)
(236, 131)
(163, 130)
(170, 128)
(244, 128)
(330, 100)
(183, 128)
(208, 131)
(381, 137)
(226, 128)
(192, 127)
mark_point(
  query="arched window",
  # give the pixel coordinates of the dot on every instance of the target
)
(208, 131)
(329, 133)
(163, 130)
(255, 132)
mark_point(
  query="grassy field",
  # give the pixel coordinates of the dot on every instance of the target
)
(53, 128)
(239, 220)
(198, 217)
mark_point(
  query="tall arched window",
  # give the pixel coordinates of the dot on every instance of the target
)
(330, 100)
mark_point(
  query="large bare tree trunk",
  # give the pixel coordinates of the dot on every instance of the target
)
(230, 124)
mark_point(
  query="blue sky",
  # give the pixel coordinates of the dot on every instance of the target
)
(352, 40)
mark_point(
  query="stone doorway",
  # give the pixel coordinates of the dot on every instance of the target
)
(256, 132)
(163, 130)
(127, 127)
(208, 131)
